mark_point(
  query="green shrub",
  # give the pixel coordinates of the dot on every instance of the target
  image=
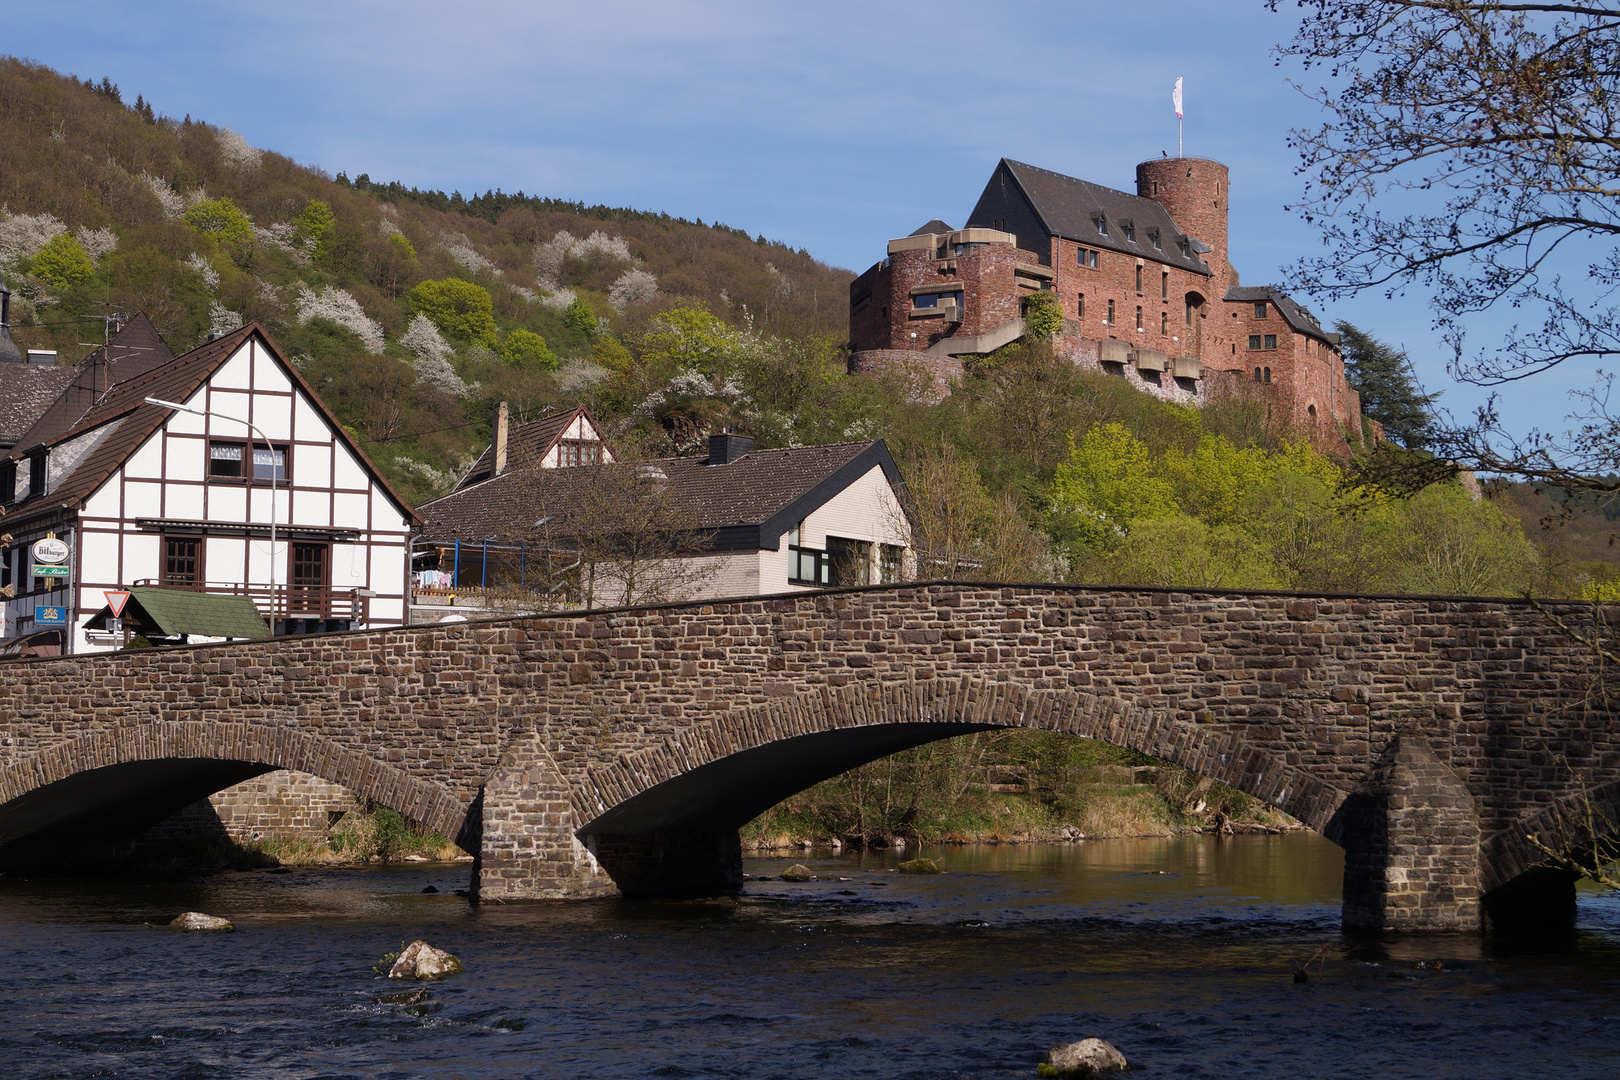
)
(1043, 315)
(63, 261)
(459, 308)
(579, 316)
(527, 349)
(220, 219)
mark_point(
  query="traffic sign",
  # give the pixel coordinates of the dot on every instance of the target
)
(50, 616)
(116, 599)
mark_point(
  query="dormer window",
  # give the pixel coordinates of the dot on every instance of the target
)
(1102, 225)
(572, 452)
(1183, 247)
(36, 474)
(1260, 309)
(1129, 229)
(1155, 239)
(8, 481)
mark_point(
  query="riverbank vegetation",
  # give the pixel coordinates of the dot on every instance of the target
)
(374, 835)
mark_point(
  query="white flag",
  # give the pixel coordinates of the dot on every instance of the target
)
(1175, 96)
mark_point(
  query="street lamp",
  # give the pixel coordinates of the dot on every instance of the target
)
(252, 428)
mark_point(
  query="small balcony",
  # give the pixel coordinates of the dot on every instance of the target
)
(290, 608)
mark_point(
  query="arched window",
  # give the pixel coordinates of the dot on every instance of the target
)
(1110, 319)
(1139, 316)
(1080, 306)
(1268, 374)
(1256, 374)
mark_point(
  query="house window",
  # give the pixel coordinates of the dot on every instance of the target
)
(579, 452)
(806, 565)
(1138, 279)
(1080, 306)
(226, 460)
(36, 474)
(1260, 309)
(182, 560)
(849, 562)
(1271, 341)
(8, 475)
(1087, 258)
(1164, 285)
(891, 563)
(1139, 316)
(1262, 341)
(1164, 322)
(1110, 319)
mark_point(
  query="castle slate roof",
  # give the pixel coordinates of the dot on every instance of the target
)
(747, 503)
(936, 227)
(1297, 317)
(527, 444)
(134, 350)
(1069, 207)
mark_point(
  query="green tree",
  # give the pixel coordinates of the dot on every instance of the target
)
(220, 219)
(1382, 375)
(1180, 551)
(315, 224)
(580, 317)
(1043, 315)
(1107, 483)
(459, 308)
(525, 348)
(1448, 543)
(63, 261)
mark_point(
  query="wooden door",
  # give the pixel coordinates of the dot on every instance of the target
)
(307, 583)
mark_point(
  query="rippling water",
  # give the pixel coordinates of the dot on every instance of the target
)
(1180, 952)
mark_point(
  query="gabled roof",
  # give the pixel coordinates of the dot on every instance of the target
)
(137, 421)
(1069, 207)
(748, 503)
(528, 443)
(134, 350)
(936, 227)
(1295, 315)
(26, 392)
(173, 612)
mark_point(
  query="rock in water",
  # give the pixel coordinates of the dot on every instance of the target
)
(195, 922)
(422, 961)
(919, 866)
(798, 872)
(1088, 1057)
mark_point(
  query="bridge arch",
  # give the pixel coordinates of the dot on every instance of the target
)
(1577, 822)
(139, 774)
(724, 771)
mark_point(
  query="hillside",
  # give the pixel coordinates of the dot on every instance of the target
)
(107, 207)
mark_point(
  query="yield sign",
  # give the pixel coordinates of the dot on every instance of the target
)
(116, 599)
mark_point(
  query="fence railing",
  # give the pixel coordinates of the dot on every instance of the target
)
(286, 601)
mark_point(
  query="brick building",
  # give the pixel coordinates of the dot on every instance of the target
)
(1143, 280)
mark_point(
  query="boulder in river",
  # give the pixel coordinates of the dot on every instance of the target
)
(919, 866)
(1088, 1057)
(419, 960)
(798, 872)
(195, 922)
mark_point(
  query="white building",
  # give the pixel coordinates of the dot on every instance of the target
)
(146, 495)
(763, 521)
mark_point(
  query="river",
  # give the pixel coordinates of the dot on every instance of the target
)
(1180, 952)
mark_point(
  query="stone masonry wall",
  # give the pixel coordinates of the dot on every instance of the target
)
(1291, 698)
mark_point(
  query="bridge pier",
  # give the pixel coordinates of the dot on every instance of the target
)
(526, 847)
(672, 866)
(1411, 838)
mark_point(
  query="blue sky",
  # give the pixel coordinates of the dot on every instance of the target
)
(830, 126)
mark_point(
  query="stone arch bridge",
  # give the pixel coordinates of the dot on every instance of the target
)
(582, 753)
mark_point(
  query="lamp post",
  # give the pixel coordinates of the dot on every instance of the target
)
(252, 429)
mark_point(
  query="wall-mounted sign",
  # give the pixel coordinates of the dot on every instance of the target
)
(50, 616)
(50, 550)
(50, 571)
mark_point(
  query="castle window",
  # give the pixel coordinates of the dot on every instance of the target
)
(1181, 246)
(1164, 322)
(1087, 258)
(1268, 374)
(1102, 225)
(1164, 285)
(1260, 309)
(1129, 229)
(1110, 319)
(1256, 374)
(1138, 279)
(1262, 341)
(1271, 341)
(1138, 317)
(1153, 237)
(1080, 306)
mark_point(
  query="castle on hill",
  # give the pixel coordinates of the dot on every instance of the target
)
(1143, 280)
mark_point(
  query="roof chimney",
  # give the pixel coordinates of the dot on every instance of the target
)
(500, 438)
(725, 447)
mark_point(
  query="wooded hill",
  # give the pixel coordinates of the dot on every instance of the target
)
(413, 312)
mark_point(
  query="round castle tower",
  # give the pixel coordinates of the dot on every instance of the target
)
(1197, 192)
